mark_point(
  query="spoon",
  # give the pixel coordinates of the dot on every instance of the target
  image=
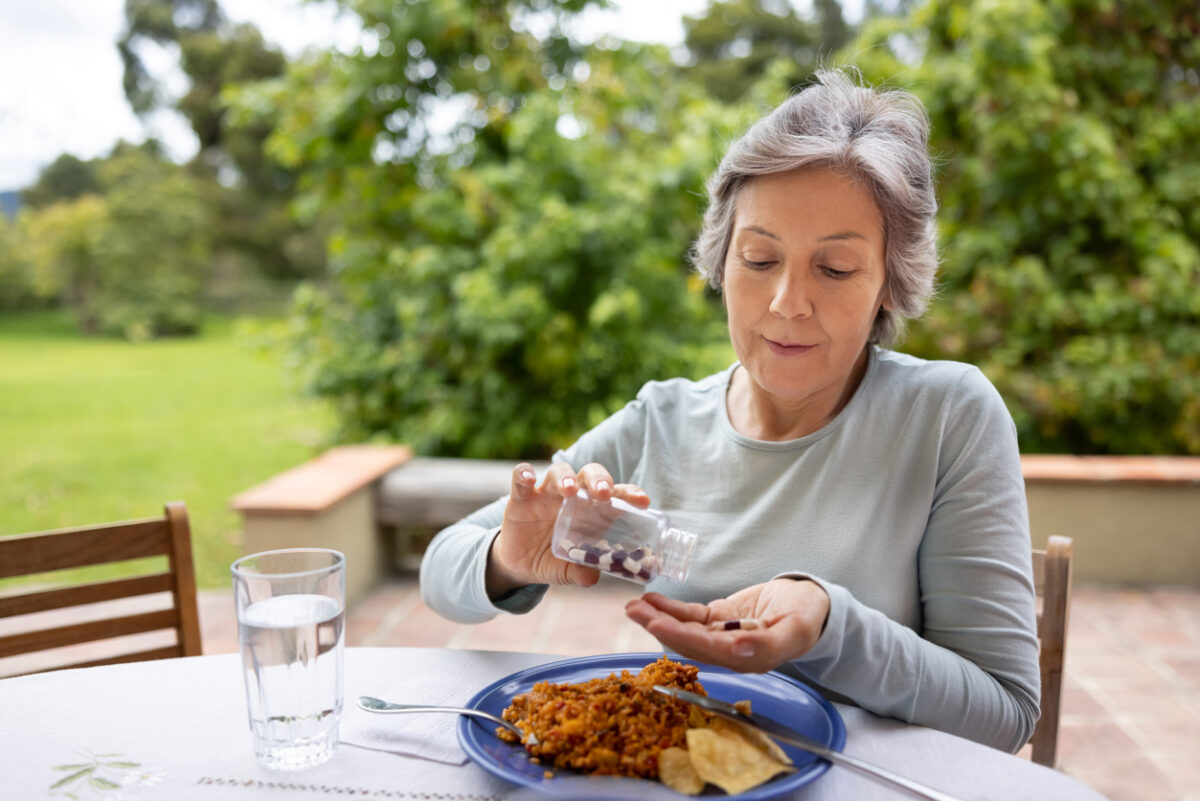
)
(386, 707)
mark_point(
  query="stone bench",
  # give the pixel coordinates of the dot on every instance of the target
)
(424, 495)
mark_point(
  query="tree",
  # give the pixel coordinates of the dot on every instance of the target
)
(506, 279)
(131, 260)
(732, 43)
(248, 191)
(17, 287)
(65, 178)
(66, 254)
(162, 22)
(1070, 193)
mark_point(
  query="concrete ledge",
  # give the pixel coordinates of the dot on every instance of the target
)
(1134, 519)
(1154, 469)
(318, 484)
(327, 502)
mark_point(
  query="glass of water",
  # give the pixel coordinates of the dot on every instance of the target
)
(291, 613)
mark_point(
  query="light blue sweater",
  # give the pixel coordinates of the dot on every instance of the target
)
(908, 508)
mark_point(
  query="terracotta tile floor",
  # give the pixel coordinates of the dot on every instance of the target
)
(1131, 715)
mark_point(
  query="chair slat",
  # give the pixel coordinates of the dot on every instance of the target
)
(87, 632)
(184, 571)
(41, 552)
(1052, 575)
(1039, 571)
(57, 550)
(85, 594)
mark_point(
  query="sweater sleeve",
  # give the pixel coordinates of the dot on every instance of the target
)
(973, 670)
(454, 567)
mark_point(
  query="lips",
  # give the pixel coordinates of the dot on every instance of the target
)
(787, 348)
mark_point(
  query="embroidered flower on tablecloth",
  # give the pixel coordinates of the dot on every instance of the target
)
(107, 776)
(143, 778)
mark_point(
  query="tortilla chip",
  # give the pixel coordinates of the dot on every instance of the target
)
(726, 757)
(757, 736)
(675, 770)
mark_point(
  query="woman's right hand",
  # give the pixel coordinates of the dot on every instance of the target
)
(521, 552)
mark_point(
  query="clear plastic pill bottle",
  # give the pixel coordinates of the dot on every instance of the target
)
(620, 539)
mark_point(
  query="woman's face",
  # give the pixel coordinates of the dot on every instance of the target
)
(803, 283)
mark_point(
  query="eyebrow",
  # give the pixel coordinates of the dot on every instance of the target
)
(840, 235)
(843, 235)
(762, 231)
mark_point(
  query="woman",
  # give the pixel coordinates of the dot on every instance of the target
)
(868, 507)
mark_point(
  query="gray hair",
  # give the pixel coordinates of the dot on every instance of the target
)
(879, 137)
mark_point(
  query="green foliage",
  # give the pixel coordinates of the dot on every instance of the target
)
(162, 22)
(505, 281)
(17, 289)
(132, 261)
(254, 239)
(733, 43)
(65, 178)
(1070, 192)
(102, 429)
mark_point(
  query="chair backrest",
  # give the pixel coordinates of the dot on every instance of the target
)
(1052, 578)
(28, 554)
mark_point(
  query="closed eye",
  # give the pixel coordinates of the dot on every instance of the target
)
(755, 265)
(835, 273)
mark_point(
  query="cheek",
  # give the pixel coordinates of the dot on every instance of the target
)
(739, 305)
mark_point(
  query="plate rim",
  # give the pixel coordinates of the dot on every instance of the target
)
(466, 725)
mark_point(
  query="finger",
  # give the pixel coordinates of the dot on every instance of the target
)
(583, 576)
(754, 651)
(632, 493)
(680, 610)
(640, 612)
(523, 481)
(597, 481)
(561, 480)
(746, 652)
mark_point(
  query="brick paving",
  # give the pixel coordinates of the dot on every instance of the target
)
(1131, 704)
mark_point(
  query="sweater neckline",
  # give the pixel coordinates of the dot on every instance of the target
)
(808, 439)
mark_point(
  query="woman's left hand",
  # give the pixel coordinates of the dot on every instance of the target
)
(789, 613)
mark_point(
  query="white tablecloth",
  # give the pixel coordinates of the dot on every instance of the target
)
(176, 729)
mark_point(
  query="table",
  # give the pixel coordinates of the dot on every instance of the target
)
(177, 729)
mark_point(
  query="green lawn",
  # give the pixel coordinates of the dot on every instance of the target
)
(98, 430)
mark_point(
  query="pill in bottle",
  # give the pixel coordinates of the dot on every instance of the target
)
(618, 538)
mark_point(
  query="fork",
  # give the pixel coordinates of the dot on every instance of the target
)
(386, 707)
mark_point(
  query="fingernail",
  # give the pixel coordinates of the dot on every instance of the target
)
(602, 485)
(743, 649)
(527, 475)
(568, 482)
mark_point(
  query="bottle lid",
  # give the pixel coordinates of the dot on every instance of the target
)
(677, 548)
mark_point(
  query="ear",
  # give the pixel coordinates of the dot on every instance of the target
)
(885, 299)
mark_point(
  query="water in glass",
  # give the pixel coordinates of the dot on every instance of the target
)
(293, 665)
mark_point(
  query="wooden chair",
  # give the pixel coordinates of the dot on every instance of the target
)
(169, 535)
(1052, 578)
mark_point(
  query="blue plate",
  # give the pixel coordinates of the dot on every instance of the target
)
(774, 695)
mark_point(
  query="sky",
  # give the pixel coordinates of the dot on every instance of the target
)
(60, 75)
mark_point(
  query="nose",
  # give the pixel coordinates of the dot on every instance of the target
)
(790, 295)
